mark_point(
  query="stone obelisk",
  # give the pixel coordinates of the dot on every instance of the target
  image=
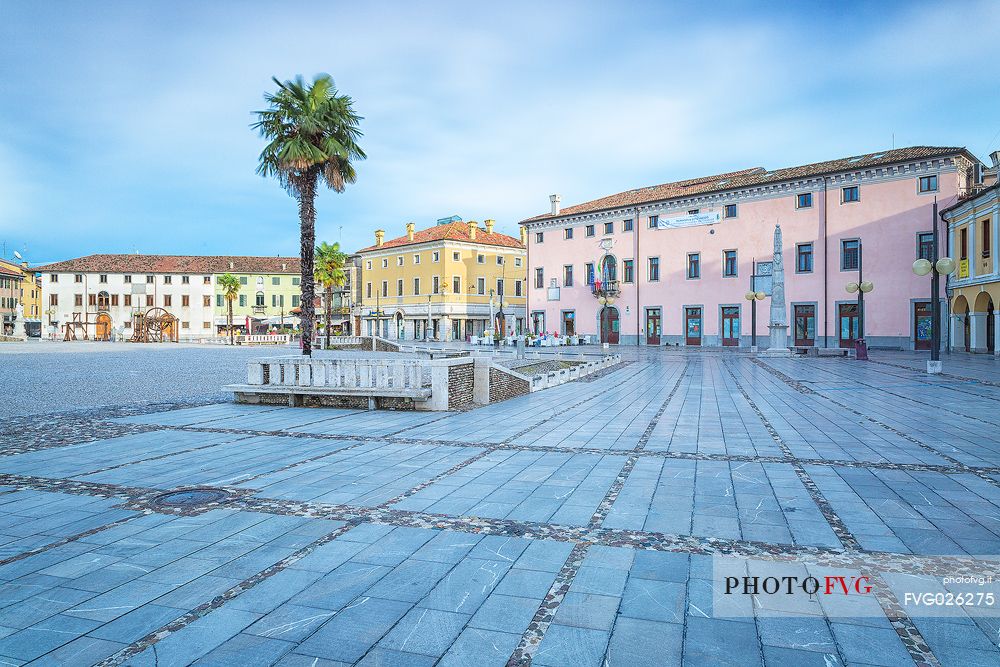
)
(778, 324)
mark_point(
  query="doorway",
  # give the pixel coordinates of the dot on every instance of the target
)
(609, 325)
(730, 326)
(569, 323)
(923, 321)
(692, 326)
(805, 326)
(103, 327)
(848, 324)
(991, 329)
(653, 326)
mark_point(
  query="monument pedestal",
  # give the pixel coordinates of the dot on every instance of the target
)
(779, 342)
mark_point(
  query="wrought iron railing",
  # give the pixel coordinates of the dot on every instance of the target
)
(605, 288)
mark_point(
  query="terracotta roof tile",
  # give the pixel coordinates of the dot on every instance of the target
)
(453, 231)
(751, 177)
(203, 264)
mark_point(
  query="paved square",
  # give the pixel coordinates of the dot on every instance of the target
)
(582, 525)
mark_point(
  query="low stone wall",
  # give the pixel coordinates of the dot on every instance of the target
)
(461, 381)
(506, 384)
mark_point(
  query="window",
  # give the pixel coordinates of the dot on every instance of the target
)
(609, 228)
(55, 277)
(694, 211)
(517, 261)
(628, 271)
(53, 299)
(539, 237)
(694, 265)
(588, 269)
(963, 243)
(654, 221)
(627, 225)
(925, 246)
(480, 259)
(539, 278)
(149, 280)
(243, 280)
(385, 288)
(92, 299)
(219, 300)
(168, 280)
(369, 266)
(114, 299)
(399, 261)
(77, 300)
(206, 301)
(568, 275)
(274, 300)
(804, 258)
(499, 286)
(589, 231)
(849, 255)
(416, 259)
(928, 184)
(385, 262)
(456, 285)
(78, 278)
(296, 299)
(206, 325)
(297, 280)
(127, 279)
(416, 287)
(568, 233)
(168, 301)
(103, 278)
(729, 264)
(481, 285)
(849, 194)
(456, 256)
(654, 269)
(399, 287)
(207, 280)
(149, 300)
(275, 280)
(435, 256)
(499, 260)
(729, 211)
(185, 325)
(127, 300)
(186, 300)
(986, 238)
(185, 280)
(804, 200)
(368, 291)
(436, 285)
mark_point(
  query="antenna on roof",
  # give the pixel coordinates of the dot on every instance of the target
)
(893, 141)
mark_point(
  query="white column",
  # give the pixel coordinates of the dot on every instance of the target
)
(977, 332)
(996, 333)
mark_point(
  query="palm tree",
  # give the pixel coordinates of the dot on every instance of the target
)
(329, 273)
(230, 285)
(312, 132)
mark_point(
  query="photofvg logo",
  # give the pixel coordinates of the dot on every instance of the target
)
(742, 588)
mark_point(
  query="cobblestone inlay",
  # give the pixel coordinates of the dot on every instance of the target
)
(908, 633)
(957, 466)
(836, 523)
(616, 486)
(532, 637)
(139, 499)
(183, 621)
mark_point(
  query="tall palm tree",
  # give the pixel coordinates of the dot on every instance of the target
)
(329, 273)
(230, 285)
(312, 132)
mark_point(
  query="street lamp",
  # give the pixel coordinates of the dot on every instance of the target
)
(861, 287)
(943, 266)
(753, 298)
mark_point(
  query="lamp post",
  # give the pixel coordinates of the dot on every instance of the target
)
(427, 329)
(861, 287)
(753, 298)
(937, 267)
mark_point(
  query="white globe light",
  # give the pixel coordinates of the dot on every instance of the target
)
(866, 286)
(760, 296)
(922, 267)
(852, 288)
(945, 266)
(750, 296)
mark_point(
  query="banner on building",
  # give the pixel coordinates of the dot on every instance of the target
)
(690, 220)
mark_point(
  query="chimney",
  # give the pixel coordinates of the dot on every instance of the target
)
(995, 157)
(524, 236)
(409, 231)
(472, 230)
(489, 225)
(555, 199)
(379, 237)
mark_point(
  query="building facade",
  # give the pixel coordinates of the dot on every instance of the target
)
(446, 282)
(974, 244)
(671, 264)
(100, 294)
(19, 285)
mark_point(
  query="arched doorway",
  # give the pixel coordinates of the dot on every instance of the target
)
(609, 269)
(609, 325)
(103, 327)
(399, 326)
(963, 337)
(984, 309)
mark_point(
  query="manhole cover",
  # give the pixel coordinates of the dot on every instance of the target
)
(191, 497)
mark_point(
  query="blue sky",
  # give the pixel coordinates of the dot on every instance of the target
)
(125, 125)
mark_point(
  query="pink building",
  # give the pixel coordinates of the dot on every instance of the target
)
(672, 263)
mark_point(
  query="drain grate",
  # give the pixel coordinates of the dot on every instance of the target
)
(185, 498)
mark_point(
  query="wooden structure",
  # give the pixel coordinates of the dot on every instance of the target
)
(76, 326)
(156, 325)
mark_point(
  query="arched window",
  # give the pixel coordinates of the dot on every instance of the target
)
(609, 268)
(103, 301)
(260, 299)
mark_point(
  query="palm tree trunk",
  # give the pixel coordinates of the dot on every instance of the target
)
(307, 242)
(326, 311)
(230, 304)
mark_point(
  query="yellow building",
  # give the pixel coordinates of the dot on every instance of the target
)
(974, 240)
(444, 283)
(19, 285)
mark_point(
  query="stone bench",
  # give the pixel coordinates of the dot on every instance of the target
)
(248, 393)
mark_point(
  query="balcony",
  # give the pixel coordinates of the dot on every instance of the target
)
(258, 310)
(606, 288)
